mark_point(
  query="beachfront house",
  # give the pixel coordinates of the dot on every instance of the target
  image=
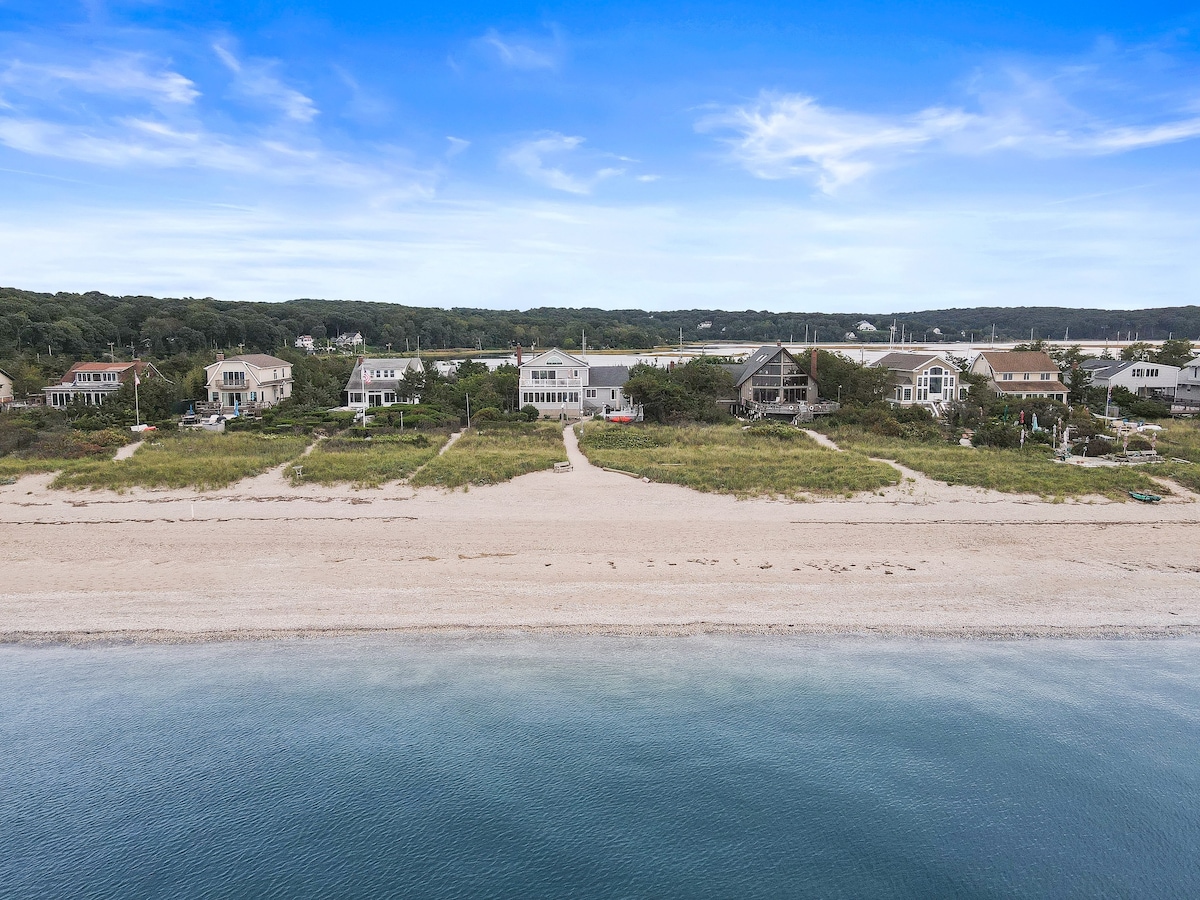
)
(772, 382)
(922, 379)
(1146, 379)
(561, 384)
(1187, 385)
(381, 382)
(1021, 374)
(92, 383)
(246, 384)
(6, 390)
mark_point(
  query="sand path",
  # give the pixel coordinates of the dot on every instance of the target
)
(586, 550)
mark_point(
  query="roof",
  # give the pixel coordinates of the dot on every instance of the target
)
(1019, 361)
(607, 376)
(567, 358)
(910, 362)
(259, 360)
(103, 366)
(757, 360)
(401, 364)
(1031, 387)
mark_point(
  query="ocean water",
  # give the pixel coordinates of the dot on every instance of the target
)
(579, 767)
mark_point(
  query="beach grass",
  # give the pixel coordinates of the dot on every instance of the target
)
(493, 453)
(15, 467)
(727, 459)
(1032, 470)
(193, 459)
(367, 462)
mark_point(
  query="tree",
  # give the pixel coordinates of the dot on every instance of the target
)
(1139, 351)
(1175, 352)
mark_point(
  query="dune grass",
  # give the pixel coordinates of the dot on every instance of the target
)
(195, 459)
(15, 467)
(367, 462)
(493, 453)
(1029, 471)
(726, 459)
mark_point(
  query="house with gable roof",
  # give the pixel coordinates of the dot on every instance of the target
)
(922, 379)
(1021, 374)
(382, 379)
(558, 383)
(772, 382)
(246, 384)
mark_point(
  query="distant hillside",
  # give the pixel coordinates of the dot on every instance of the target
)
(83, 325)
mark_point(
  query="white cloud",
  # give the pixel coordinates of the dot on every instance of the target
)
(256, 81)
(518, 54)
(529, 158)
(791, 135)
(456, 145)
(123, 76)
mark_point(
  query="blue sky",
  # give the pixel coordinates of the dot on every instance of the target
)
(841, 156)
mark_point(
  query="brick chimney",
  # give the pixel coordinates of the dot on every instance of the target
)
(220, 356)
(814, 363)
(518, 356)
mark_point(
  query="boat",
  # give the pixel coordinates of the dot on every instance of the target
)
(1144, 497)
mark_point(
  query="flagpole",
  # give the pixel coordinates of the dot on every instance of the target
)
(137, 409)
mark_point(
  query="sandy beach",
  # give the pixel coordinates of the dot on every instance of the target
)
(587, 551)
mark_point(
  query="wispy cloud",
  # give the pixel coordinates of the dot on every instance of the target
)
(529, 158)
(794, 136)
(121, 76)
(521, 52)
(455, 145)
(256, 81)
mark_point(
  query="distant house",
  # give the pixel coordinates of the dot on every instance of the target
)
(349, 341)
(704, 325)
(772, 382)
(559, 383)
(92, 383)
(377, 382)
(1146, 379)
(306, 343)
(1021, 374)
(864, 325)
(247, 384)
(6, 389)
(922, 379)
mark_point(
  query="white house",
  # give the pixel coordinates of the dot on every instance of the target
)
(1146, 379)
(306, 343)
(6, 389)
(922, 379)
(382, 378)
(864, 325)
(247, 383)
(91, 383)
(349, 341)
(1021, 374)
(558, 383)
(1187, 384)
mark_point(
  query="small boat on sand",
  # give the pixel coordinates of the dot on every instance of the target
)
(1144, 497)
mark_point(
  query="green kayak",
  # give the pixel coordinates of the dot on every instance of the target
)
(1144, 497)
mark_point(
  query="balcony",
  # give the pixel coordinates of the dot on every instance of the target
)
(560, 384)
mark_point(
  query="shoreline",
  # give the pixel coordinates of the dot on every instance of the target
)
(103, 639)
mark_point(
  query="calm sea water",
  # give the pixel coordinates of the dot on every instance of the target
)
(602, 767)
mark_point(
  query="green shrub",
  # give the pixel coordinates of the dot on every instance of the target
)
(530, 412)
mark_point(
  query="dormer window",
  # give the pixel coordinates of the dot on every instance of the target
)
(1007, 376)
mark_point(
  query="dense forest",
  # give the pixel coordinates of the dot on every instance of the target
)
(88, 326)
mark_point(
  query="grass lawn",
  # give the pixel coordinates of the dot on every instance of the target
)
(729, 460)
(1029, 471)
(368, 462)
(196, 459)
(495, 452)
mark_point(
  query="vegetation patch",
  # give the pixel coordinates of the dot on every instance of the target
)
(196, 459)
(1029, 471)
(493, 453)
(762, 460)
(366, 462)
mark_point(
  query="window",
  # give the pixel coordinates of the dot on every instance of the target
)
(1026, 378)
(1007, 376)
(908, 393)
(591, 394)
(540, 375)
(936, 370)
(935, 384)
(614, 395)
(1045, 376)
(253, 396)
